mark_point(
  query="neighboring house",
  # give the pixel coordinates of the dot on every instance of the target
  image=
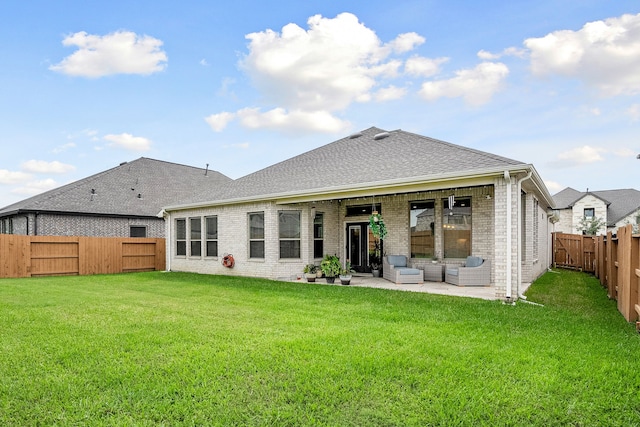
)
(438, 200)
(120, 202)
(615, 208)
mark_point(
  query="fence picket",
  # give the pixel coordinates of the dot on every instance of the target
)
(27, 256)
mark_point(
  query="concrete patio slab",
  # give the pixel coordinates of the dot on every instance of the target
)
(440, 288)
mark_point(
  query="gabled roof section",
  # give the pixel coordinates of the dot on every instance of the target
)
(623, 202)
(368, 157)
(137, 188)
(620, 203)
(567, 197)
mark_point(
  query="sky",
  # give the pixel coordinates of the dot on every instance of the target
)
(242, 85)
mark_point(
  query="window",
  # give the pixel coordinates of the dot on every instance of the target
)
(289, 234)
(589, 213)
(137, 231)
(363, 210)
(256, 235)
(195, 234)
(422, 222)
(211, 224)
(318, 235)
(181, 237)
(456, 227)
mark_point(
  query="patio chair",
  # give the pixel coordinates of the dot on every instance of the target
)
(475, 272)
(395, 269)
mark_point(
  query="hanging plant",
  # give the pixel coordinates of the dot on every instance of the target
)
(376, 223)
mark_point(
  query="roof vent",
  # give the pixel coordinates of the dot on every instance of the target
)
(123, 163)
(355, 135)
(381, 135)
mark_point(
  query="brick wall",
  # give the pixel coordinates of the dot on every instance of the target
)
(76, 225)
(233, 231)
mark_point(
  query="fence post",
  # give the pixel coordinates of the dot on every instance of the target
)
(627, 295)
(611, 267)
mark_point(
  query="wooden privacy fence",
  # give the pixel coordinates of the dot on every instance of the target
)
(618, 268)
(574, 251)
(29, 256)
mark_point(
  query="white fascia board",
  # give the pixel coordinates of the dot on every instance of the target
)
(392, 186)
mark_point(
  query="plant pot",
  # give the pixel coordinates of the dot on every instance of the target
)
(376, 273)
(345, 280)
(330, 279)
(311, 277)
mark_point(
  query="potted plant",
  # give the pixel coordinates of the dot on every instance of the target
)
(310, 272)
(375, 262)
(346, 274)
(330, 267)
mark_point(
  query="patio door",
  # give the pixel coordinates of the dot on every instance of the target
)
(357, 246)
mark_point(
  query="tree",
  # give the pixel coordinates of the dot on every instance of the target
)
(590, 226)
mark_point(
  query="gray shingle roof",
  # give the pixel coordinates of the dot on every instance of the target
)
(364, 159)
(115, 191)
(620, 203)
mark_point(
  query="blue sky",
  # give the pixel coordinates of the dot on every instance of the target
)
(86, 85)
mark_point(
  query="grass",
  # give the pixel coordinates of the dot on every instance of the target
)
(186, 349)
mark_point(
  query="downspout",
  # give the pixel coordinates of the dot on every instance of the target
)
(168, 240)
(507, 178)
(520, 181)
(167, 229)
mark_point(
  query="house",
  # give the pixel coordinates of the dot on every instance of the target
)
(120, 202)
(440, 202)
(616, 208)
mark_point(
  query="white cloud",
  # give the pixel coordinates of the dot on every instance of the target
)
(242, 146)
(121, 52)
(10, 177)
(406, 42)
(634, 112)
(423, 67)
(605, 54)
(35, 187)
(40, 166)
(307, 75)
(292, 121)
(128, 142)
(624, 152)
(476, 86)
(390, 93)
(510, 51)
(63, 147)
(324, 68)
(219, 121)
(553, 186)
(581, 155)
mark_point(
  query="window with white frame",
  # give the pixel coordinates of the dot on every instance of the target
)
(318, 235)
(181, 237)
(289, 234)
(195, 237)
(256, 235)
(211, 224)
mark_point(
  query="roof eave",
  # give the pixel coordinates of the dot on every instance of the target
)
(398, 185)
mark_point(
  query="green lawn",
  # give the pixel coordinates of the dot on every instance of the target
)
(186, 349)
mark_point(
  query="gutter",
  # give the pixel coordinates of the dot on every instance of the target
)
(379, 187)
